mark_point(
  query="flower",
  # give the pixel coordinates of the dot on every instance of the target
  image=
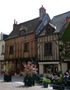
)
(30, 68)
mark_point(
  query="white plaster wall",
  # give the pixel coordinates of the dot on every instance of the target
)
(64, 67)
(1, 36)
(40, 68)
(59, 67)
(2, 42)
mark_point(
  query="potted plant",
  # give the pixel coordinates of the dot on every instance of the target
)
(59, 83)
(46, 81)
(30, 71)
(7, 72)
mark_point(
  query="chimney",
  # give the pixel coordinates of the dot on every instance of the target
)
(42, 12)
(15, 24)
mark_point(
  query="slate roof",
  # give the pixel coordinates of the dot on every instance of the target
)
(31, 26)
(36, 25)
(42, 25)
(4, 36)
(59, 21)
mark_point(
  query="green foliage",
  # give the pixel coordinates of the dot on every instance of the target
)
(59, 81)
(67, 55)
(61, 46)
(46, 80)
(66, 35)
(7, 68)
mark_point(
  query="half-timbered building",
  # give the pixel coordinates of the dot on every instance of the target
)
(38, 40)
(21, 42)
(48, 45)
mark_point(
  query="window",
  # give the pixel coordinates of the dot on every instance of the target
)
(48, 49)
(49, 29)
(3, 49)
(11, 50)
(22, 32)
(26, 47)
(48, 68)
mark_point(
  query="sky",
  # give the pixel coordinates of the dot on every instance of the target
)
(24, 10)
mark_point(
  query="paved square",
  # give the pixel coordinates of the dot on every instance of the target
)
(17, 84)
(20, 86)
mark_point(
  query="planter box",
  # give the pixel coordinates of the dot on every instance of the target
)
(45, 85)
(61, 87)
(7, 78)
(29, 81)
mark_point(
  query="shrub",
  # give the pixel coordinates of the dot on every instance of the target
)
(46, 80)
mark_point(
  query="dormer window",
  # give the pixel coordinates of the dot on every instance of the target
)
(22, 30)
(49, 29)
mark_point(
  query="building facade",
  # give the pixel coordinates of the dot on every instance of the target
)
(48, 51)
(38, 41)
(49, 42)
(21, 43)
(2, 50)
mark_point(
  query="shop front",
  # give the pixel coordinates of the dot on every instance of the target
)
(48, 67)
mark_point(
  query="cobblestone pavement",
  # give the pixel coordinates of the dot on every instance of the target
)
(20, 86)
